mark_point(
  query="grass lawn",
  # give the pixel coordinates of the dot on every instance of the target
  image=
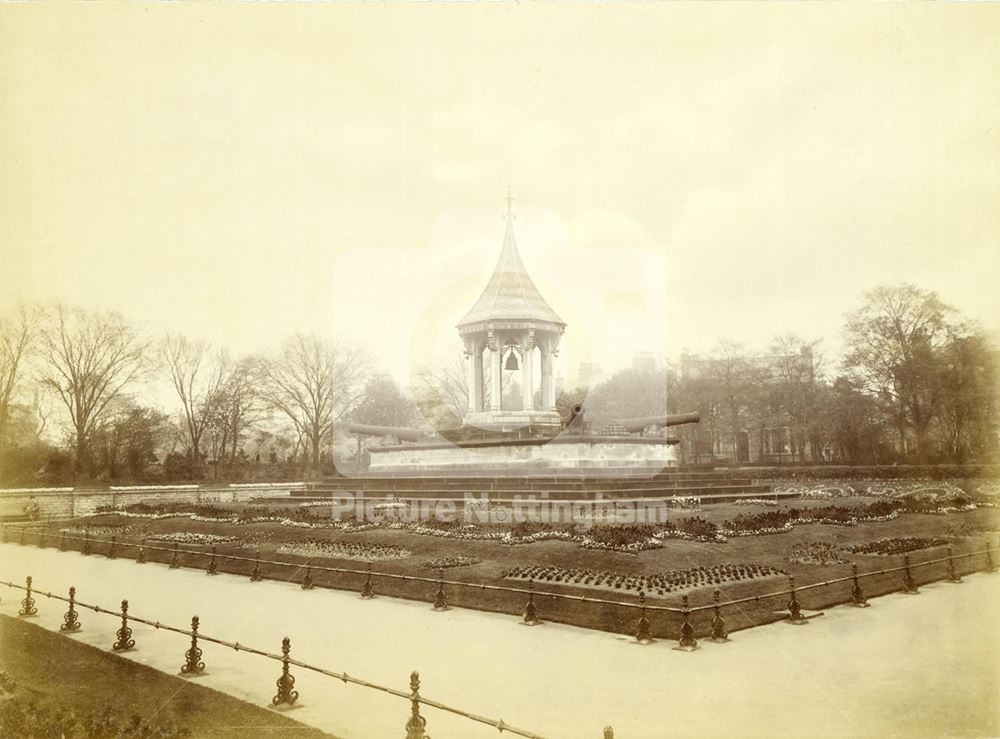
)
(773, 550)
(60, 674)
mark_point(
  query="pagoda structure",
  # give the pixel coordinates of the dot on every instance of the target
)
(509, 328)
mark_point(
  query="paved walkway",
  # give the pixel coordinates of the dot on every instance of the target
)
(924, 665)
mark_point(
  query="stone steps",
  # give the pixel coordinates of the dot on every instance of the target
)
(648, 491)
(557, 484)
(525, 484)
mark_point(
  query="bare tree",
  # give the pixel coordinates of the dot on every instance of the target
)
(384, 404)
(894, 341)
(89, 358)
(969, 397)
(315, 384)
(737, 381)
(196, 380)
(17, 338)
(795, 385)
(442, 394)
(233, 408)
(239, 402)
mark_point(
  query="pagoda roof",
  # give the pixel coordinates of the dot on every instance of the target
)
(510, 295)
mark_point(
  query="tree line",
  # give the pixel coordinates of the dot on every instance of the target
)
(91, 367)
(917, 383)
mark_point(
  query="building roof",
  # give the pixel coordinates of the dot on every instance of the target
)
(510, 295)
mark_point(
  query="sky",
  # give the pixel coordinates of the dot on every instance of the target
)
(682, 173)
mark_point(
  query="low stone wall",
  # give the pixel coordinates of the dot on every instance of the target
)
(68, 503)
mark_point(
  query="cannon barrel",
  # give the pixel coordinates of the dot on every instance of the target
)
(677, 419)
(400, 432)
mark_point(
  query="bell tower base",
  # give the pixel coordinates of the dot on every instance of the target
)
(512, 420)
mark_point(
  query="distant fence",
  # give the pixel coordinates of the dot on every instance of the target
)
(286, 693)
(686, 637)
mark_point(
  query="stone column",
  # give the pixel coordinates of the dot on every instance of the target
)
(549, 401)
(473, 383)
(496, 372)
(546, 349)
(477, 392)
(527, 372)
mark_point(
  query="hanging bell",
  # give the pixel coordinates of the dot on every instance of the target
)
(511, 361)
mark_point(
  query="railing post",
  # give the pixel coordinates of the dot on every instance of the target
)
(307, 581)
(286, 682)
(255, 576)
(368, 590)
(642, 632)
(124, 634)
(719, 633)
(416, 723)
(193, 663)
(990, 567)
(86, 541)
(70, 622)
(174, 563)
(857, 595)
(953, 575)
(62, 541)
(28, 604)
(141, 557)
(530, 611)
(909, 586)
(794, 609)
(687, 642)
(440, 601)
(22, 540)
(213, 568)
(111, 551)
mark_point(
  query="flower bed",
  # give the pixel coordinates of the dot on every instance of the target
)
(816, 553)
(442, 563)
(138, 488)
(318, 548)
(968, 530)
(989, 489)
(658, 583)
(897, 545)
(926, 489)
(191, 537)
(756, 501)
(818, 491)
(111, 529)
(773, 522)
(629, 539)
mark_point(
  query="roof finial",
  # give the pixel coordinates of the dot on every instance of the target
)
(509, 215)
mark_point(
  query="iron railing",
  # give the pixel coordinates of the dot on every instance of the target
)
(285, 683)
(530, 612)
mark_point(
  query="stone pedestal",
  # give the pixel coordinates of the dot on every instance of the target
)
(561, 452)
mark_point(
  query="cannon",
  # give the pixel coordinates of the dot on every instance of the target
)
(633, 425)
(400, 432)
